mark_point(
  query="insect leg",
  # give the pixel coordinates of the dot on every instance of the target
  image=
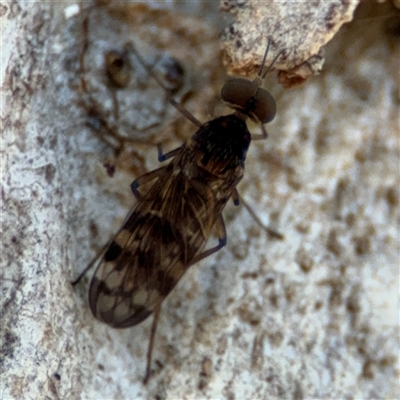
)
(146, 178)
(185, 112)
(235, 197)
(221, 232)
(90, 265)
(162, 157)
(260, 136)
(237, 200)
(151, 342)
(270, 231)
(173, 102)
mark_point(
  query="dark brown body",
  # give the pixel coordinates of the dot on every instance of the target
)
(168, 228)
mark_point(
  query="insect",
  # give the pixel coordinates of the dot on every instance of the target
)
(166, 231)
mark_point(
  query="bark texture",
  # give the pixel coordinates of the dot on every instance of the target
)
(312, 316)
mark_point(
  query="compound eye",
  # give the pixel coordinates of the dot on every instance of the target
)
(247, 97)
(238, 92)
(265, 109)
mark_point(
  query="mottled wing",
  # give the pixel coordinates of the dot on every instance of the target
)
(152, 250)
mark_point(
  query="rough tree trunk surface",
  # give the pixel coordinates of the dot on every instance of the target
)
(312, 316)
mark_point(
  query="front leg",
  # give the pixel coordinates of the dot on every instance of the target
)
(146, 178)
